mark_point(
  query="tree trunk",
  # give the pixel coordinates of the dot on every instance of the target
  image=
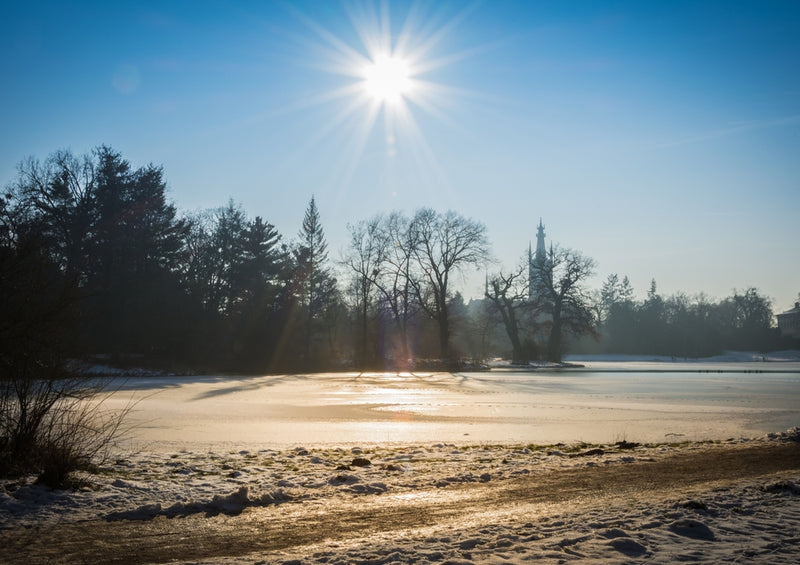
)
(554, 344)
(444, 331)
(364, 314)
(512, 328)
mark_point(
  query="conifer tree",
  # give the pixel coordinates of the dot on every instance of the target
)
(315, 283)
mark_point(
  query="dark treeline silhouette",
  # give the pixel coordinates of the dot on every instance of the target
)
(681, 326)
(98, 264)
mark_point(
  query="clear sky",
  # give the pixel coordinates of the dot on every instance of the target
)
(661, 139)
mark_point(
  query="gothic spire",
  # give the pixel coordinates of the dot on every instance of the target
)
(541, 250)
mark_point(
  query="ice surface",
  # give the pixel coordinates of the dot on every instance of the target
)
(636, 401)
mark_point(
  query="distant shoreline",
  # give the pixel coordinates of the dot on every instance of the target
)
(729, 362)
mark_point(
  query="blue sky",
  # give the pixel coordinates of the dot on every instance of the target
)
(660, 139)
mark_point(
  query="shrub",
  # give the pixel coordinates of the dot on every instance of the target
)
(55, 426)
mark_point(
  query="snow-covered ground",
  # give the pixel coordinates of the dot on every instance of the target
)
(757, 520)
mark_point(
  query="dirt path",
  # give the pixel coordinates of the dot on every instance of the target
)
(292, 526)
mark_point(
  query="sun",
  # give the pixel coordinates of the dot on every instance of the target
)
(384, 77)
(387, 79)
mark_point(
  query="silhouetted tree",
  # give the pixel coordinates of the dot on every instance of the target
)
(365, 258)
(446, 243)
(395, 285)
(613, 293)
(226, 258)
(315, 282)
(564, 295)
(57, 199)
(618, 314)
(237, 270)
(262, 277)
(134, 257)
(109, 228)
(751, 319)
(652, 321)
(198, 258)
(508, 296)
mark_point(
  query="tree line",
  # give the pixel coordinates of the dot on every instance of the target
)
(97, 263)
(684, 326)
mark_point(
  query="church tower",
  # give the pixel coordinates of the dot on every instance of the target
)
(541, 253)
(537, 261)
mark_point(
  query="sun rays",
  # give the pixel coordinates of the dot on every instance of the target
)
(385, 80)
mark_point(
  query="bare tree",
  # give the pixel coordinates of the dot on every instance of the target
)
(396, 281)
(57, 198)
(508, 295)
(365, 258)
(561, 288)
(446, 243)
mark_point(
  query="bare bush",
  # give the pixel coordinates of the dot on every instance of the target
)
(54, 427)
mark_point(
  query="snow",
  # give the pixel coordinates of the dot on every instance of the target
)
(758, 519)
(141, 485)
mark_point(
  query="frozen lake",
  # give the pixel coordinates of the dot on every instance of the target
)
(599, 404)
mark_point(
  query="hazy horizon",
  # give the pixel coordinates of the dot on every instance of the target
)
(660, 140)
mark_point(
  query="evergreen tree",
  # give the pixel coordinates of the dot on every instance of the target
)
(261, 279)
(618, 314)
(227, 243)
(109, 228)
(315, 284)
(652, 331)
(236, 270)
(135, 252)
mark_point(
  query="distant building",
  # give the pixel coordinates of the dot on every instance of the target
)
(540, 279)
(789, 321)
(538, 264)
